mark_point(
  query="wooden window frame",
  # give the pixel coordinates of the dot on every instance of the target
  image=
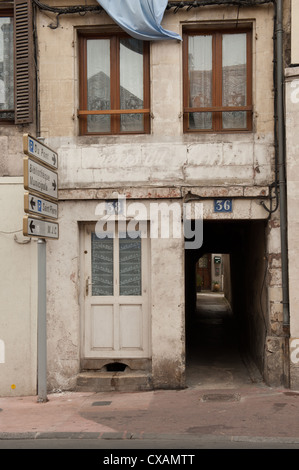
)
(115, 112)
(217, 109)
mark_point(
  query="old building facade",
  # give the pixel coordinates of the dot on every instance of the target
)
(158, 142)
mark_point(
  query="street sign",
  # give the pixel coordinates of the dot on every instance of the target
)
(40, 228)
(39, 206)
(40, 179)
(36, 149)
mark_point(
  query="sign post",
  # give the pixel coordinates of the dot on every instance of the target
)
(41, 179)
(42, 321)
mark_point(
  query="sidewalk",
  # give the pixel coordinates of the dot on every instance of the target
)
(225, 399)
(251, 412)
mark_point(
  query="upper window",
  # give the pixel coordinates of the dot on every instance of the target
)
(217, 81)
(114, 84)
(6, 67)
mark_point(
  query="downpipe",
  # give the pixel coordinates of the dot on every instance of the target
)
(281, 162)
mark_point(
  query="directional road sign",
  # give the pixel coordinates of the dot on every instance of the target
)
(39, 206)
(40, 228)
(36, 149)
(40, 179)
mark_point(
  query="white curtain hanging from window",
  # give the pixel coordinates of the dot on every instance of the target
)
(140, 18)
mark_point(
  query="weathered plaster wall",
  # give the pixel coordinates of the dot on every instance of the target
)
(18, 275)
(164, 164)
(292, 150)
(18, 293)
(295, 33)
(11, 151)
(66, 301)
(167, 311)
(166, 155)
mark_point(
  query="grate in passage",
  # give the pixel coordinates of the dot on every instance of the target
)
(101, 403)
(221, 397)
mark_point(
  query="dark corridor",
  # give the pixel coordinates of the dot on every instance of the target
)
(214, 358)
(225, 340)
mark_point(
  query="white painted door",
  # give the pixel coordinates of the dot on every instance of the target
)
(116, 317)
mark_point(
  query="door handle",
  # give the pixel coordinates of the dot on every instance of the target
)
(87, 284)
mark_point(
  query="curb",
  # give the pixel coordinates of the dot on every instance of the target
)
(142, 436)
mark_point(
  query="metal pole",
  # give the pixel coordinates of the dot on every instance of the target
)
(41, 322)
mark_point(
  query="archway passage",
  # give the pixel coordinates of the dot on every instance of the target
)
(226, 330)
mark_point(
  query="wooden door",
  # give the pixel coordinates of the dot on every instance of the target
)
(116, 317)
(203, 272)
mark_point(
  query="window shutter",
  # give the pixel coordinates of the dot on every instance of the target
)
(23, 33)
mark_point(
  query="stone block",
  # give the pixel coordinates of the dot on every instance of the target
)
(274, 361)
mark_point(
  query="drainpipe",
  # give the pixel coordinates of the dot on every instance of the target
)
(281, 164)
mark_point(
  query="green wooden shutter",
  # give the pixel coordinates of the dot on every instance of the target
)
(23, 33)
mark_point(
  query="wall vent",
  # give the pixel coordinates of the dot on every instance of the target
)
(116, 367)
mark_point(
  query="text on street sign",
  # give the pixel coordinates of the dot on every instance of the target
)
(36, 149)
(40, 179)
(40, 206)
(40, 228)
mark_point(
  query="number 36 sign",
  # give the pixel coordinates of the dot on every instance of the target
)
(223, 205)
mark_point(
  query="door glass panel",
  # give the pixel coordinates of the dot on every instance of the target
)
(203, 261)
(131, 83)
(130, 265)
(234, 79)
(98, 83)
(101, 265)
(200, 80)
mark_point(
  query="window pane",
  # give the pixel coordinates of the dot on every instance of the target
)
(200, 79)
(234, 74)
(101, 265)
(130, 266)
(6, 67)
(98, 83)
(131, 83)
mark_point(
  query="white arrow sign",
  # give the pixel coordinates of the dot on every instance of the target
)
(36, 149)
(40, 206)
(40, 179)
(40, 228)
